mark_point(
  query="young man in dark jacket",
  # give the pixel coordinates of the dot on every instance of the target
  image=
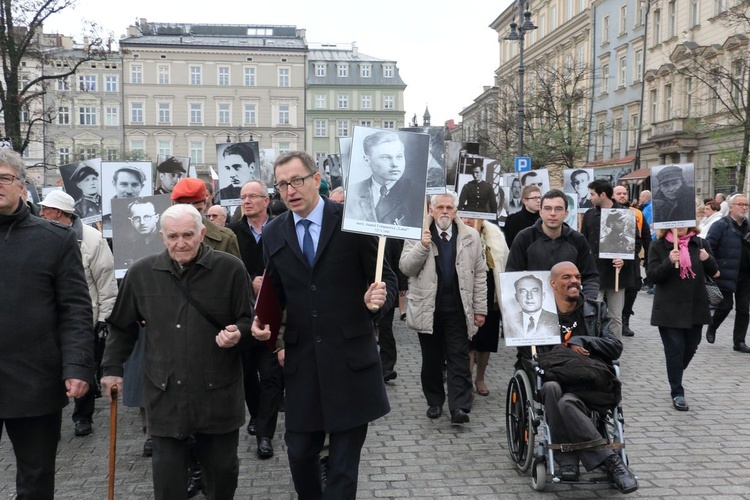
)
(531, 198)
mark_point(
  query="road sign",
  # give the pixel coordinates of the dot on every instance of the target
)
(522, 164)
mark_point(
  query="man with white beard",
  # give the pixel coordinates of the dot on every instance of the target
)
(448, 268)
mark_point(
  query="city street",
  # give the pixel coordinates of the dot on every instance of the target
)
(702, 453)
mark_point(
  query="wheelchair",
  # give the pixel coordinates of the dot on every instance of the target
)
(529, 439)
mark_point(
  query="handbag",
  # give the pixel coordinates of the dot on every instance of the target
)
(715, 297)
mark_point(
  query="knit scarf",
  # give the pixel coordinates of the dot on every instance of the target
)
(686, 266)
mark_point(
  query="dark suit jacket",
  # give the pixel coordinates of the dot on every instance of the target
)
(334, 379)
(549, 325)
(397, 208)
(230, 193)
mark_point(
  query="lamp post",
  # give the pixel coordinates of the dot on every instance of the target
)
(517, 34)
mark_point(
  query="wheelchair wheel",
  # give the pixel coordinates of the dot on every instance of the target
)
(539, 475)
(518, 422)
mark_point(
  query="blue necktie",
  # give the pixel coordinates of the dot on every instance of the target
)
(308, 249)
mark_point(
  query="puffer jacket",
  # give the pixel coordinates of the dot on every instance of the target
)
(99, 268)
(726, 239)
(418, 264)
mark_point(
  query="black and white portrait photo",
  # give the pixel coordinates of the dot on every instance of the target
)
(436, 159)
(452, 160)
(135, 232)
(345, 157)
(673, 195)
(332, 165)
(82, 181)
(123, 180)
(238, 163)
(539, 178)
(267, 158)
(528, 309)
(385, 192)
(617, 234)
(169, 171)
(477, 198)
(572, 219)
(576, 182)
(513, 201)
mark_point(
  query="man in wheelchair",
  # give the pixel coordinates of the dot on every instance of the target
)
(585, 329)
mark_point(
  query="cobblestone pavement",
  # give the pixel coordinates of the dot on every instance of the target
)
(702, 453)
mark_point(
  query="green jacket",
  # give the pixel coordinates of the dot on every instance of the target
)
(221, 238)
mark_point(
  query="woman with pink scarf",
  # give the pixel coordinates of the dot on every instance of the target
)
(680, 302)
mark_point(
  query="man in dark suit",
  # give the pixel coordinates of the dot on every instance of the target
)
(477, 195)
(533, 321)
(386, 197)
(322, 278)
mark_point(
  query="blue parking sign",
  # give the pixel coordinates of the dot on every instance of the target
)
(522, 164)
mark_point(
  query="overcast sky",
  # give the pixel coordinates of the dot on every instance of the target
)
(445, 51)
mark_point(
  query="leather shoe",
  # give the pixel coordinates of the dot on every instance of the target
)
(569, 472)
(710, 335)
(459, 416)
(195, 481)
(627, 332)
(434, 411)
(680, 404)
(619, 474)
(323, 472)
(265, 448)
(148, 448)
(251, 427)
(390, 375)
(83, 428)
(742, 347)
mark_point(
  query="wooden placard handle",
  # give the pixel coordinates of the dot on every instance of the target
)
(674, 237)
(617, 279)
(379, 265)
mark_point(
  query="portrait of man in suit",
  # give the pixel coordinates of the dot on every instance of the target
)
(387, 196)
(532, 321)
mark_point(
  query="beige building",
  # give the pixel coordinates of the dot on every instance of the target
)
(479, 123)
(188, 87)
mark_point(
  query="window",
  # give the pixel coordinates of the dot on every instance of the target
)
(196, 152)
(366, 102)
(580, 117)
(605, 78)
(633, 131)
(654, 104)
(738, 81)
(25, 115)
(542, 29)
(342, 128)
(688, 96)
(321, 128)
(249, 80)
(112, 154)
(365, 123)
(695, 11)
(640, 14)
(62, 84)
(553, 18)
(388, 71)
(110, 83)
(623, 20)
(668, 102)
(284, 147)
(136, 73)
(638, 66)
(605, 30)
(283, 114)
(600, 138)
(388, 102)
(164, 113)
(138, 146)
(320, 101)
(617, 137)
(163, 74)
(196, 113)
(657, 27)
(672, 19)
(389, 124)
(581, 58)
(63, 115)
(136, 112)
(720, 6)
(223, 76)
(343, 70)
(320, 70)
(87, 83)
(164, 148)
(249, 114)
(622, 73)
(87, 115)
(222, 113)
(196, 73)
(569, 10)
(365, 70)
(111, 116)
(343, 101)
(63, 155)
(284, 77)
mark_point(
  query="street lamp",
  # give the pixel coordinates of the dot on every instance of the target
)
(517, 34)
(239, 135)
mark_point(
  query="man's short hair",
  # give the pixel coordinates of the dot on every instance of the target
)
(377, 138)
(176, 212)
(139, 201)
(555, 193)
(723, 197)
(133, 170)
(527, 190)
(601, 186)
(306, 159)
(734, 197)
(260, 183)
(242, 149)
(452, 194)
(529, 174)
(10, 158)
(578, 172)
(713, 206)
(529, 277)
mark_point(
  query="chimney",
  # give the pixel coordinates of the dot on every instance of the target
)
(355, 50)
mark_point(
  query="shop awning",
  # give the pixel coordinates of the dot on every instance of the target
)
(637, 175)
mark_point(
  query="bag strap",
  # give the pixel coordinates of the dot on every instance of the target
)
(195, 304)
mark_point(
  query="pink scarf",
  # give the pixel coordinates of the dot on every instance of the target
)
(686, 266)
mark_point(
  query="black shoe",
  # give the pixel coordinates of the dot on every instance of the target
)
(459, 416)
(619, 474)
(742, 347)
(403, 317)
(710, 335)
(626, 331)
(434, 411)
(148, 448)
(390, 375)
(323, 472)
(569, 472)
(251, 427)
(680, 404)
(265, 448)
(83, 428)
(195, 481)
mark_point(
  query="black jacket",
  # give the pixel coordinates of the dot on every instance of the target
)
(728, 244)
(517, 222)
(45, 307)
(250, 250)
(532, 250)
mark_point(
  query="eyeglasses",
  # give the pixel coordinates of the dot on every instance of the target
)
(254, 197)
(137, 219)
(296, 183)
(533, 198)
(741, 204)
(7, 179)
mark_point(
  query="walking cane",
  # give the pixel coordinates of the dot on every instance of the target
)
(112, 442)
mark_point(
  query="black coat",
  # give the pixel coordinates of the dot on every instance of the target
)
(332, 370)
(591, 230)
(679, 303)
(517, 222)
(728, 245)
(250, 250)
(46, 334)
